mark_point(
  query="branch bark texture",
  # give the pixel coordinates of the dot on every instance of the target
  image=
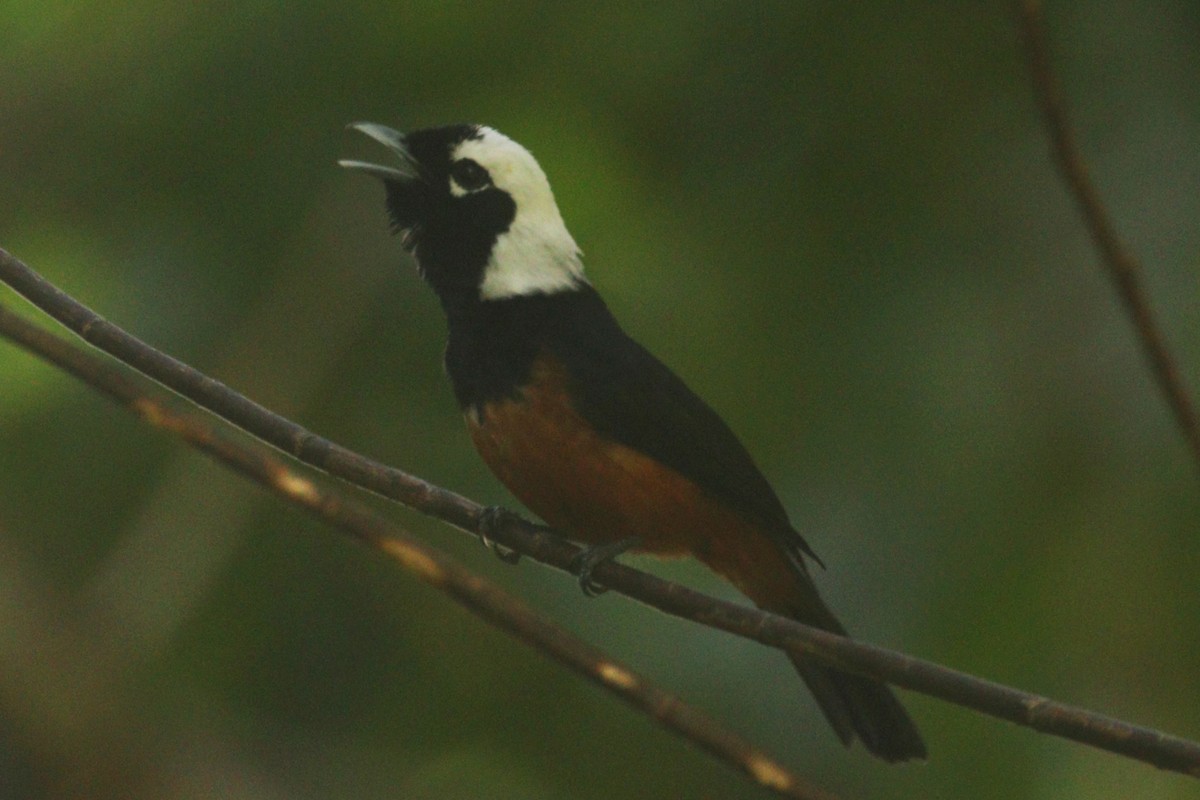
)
(480, 596)
(1040, 713)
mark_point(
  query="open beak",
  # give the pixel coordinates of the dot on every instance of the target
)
(406, 171)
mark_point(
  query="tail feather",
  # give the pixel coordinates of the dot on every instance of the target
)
(855, 706)
(862, 708)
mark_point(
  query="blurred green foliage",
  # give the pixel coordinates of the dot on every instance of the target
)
(837, 221)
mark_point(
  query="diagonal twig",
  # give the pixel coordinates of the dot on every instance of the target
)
(480, 596)
(1040, 713)
(1123, 268)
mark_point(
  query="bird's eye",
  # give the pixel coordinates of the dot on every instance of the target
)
(468, 175)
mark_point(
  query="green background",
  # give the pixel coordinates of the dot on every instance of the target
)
(838, 222)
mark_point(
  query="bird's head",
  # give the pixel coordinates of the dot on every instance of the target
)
(476, 211)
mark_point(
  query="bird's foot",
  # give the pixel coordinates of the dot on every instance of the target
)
(588, 558)
(492, 519)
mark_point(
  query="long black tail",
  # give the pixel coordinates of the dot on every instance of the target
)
(863, 708)
(855, 706)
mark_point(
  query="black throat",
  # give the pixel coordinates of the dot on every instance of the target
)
(493, 343)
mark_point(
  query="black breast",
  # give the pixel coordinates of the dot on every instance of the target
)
(493, 343)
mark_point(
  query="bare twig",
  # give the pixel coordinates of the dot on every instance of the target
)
(1122, 267)
(1144, 744)
(480, 596)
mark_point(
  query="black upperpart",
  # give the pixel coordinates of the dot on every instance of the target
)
(619, 387)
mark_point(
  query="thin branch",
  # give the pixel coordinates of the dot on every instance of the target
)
(480, 596)
(1048, 716)
(1122, 267)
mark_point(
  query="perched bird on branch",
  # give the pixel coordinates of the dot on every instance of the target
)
(587, 428)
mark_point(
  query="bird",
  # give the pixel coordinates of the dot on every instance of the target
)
(583, 425)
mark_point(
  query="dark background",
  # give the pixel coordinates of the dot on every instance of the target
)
(838, 222)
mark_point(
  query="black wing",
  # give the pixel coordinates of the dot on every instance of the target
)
(631, 397)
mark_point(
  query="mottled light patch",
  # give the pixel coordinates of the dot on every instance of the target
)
(295, 486)
(414, 560)
(768, 773)
(617, 676)
(149, 410)
(536, 255)
(472, 415)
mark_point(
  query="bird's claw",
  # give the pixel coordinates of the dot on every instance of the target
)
(491, 519)
(590, 557)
